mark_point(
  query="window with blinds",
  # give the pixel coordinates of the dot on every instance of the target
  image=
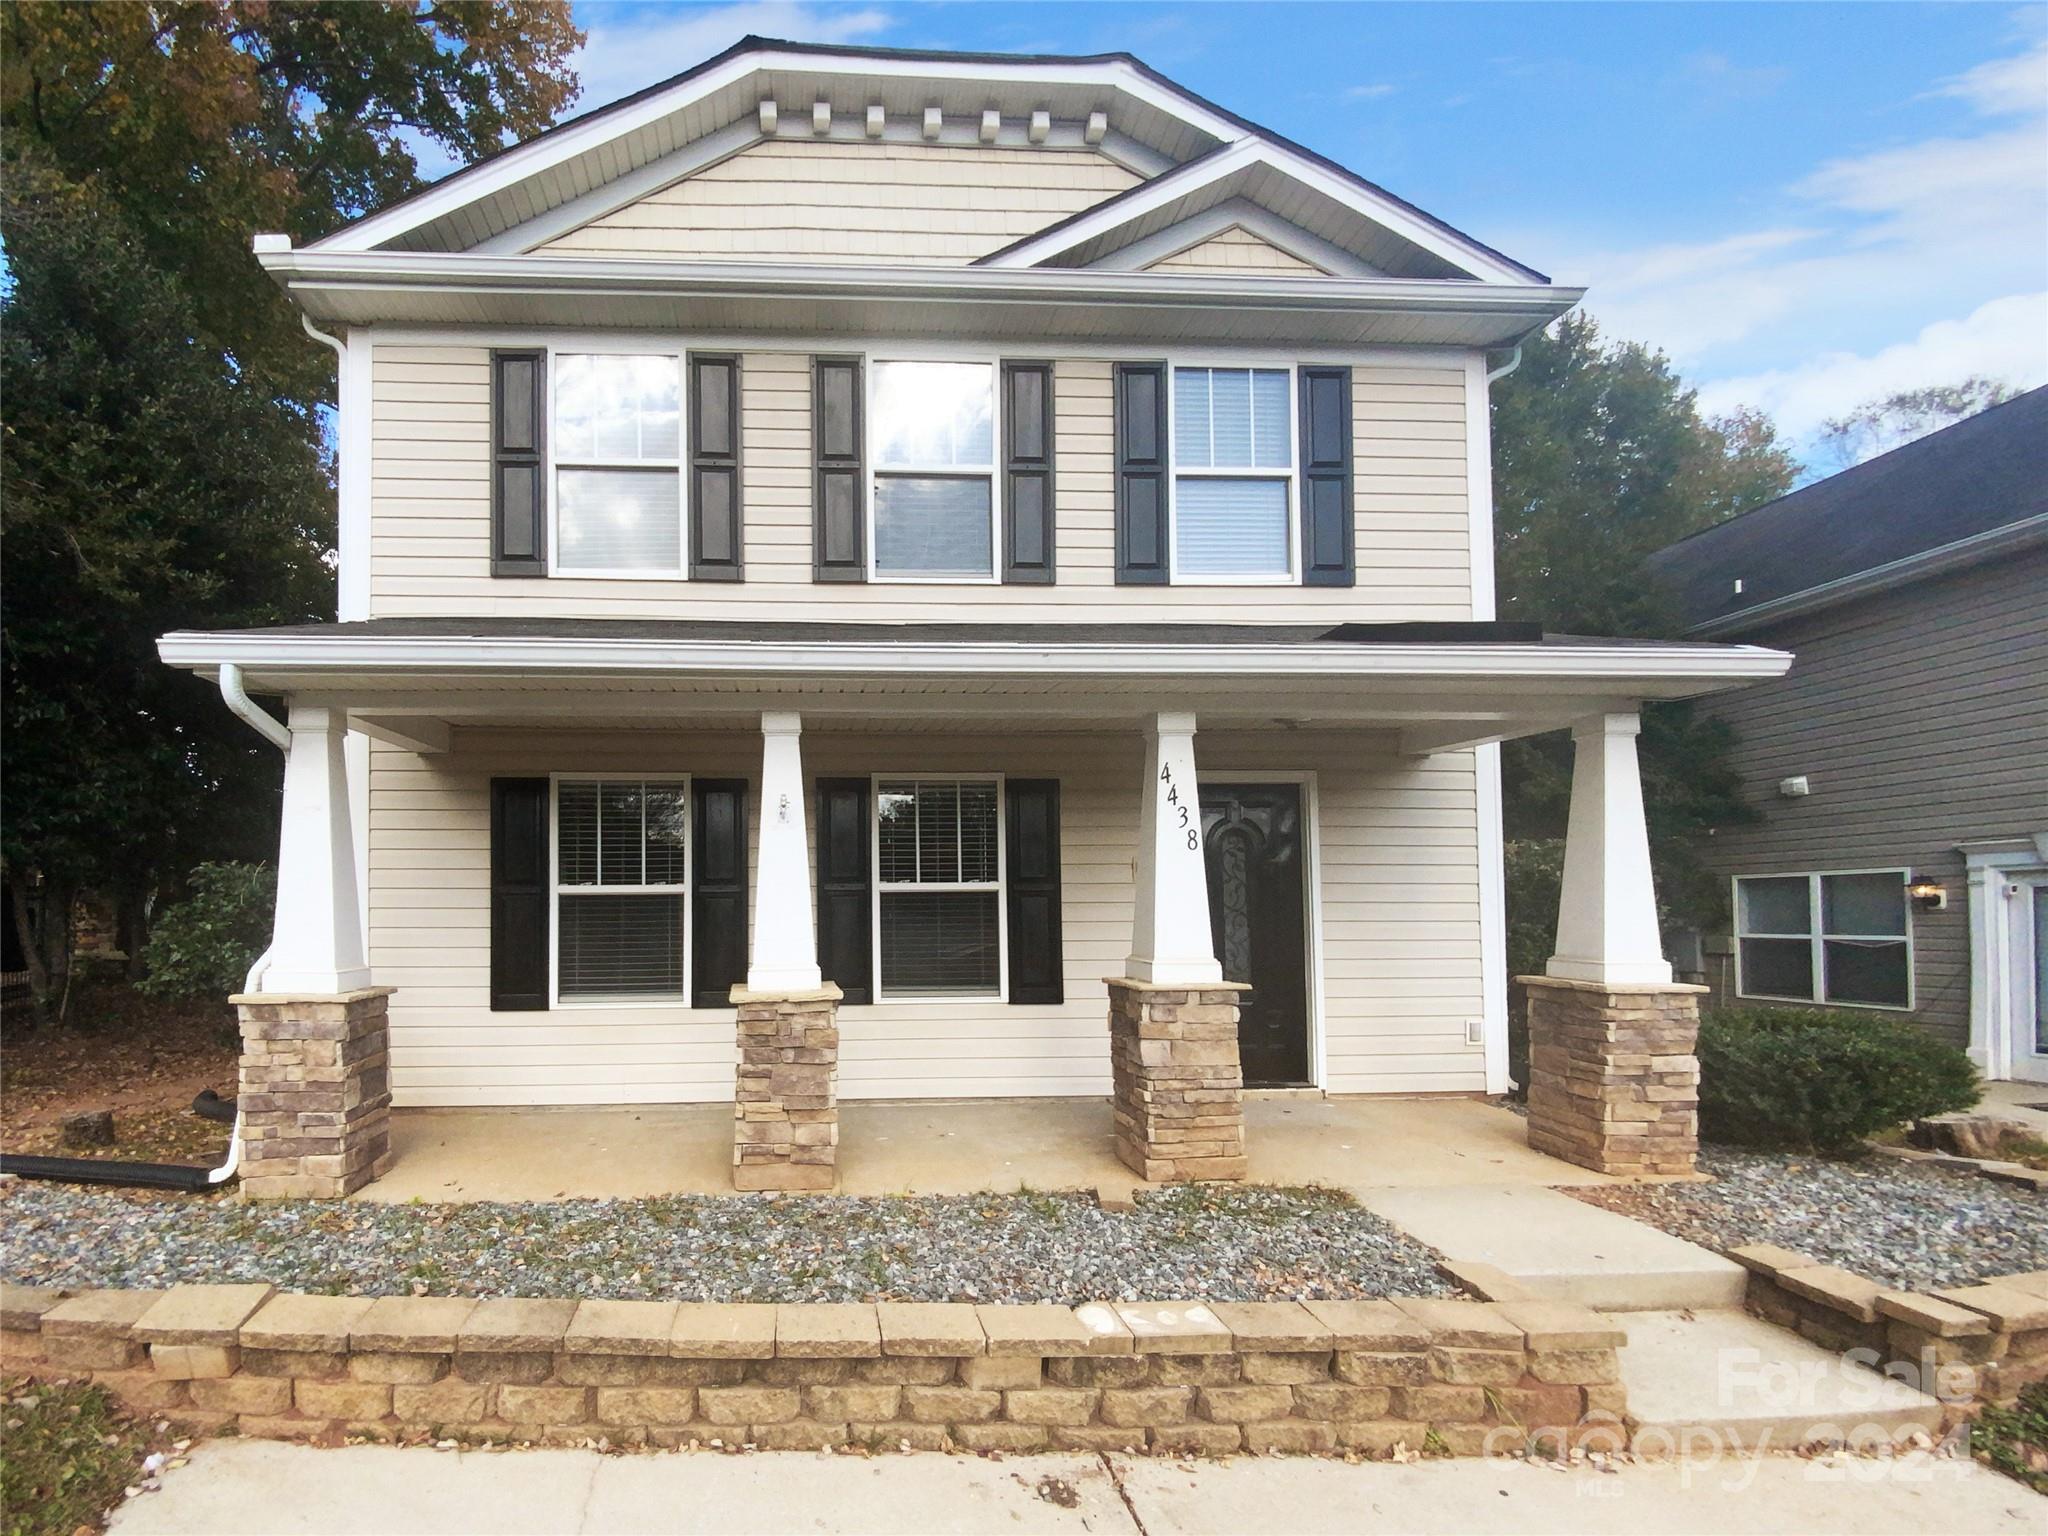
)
(938, 887)
(617, 443)
(621, 888)
(934, 439)
(1233, 474)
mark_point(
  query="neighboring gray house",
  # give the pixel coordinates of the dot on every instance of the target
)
(1902, 765)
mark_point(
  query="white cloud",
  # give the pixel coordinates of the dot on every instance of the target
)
(2006, 339)
(634, 46)
(1944, 239)
(1371, 92)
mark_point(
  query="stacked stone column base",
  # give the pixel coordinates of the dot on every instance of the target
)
(1613, 1082)
(315, 1095)
(785, 1128)
(1179, 1087)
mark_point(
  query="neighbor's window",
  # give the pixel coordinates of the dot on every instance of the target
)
(938, 885)
(621, 881)
(1825, 938)
(617, 447)
(1233, 473)
(935, 464)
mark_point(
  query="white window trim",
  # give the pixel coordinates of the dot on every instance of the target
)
(870, 365)
(1291, 475)
(556, 890)
(1001, 887)
(1817, 939)
(599, 347)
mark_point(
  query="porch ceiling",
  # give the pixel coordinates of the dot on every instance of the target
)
(1436, 688)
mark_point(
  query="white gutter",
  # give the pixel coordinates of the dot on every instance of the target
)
(467, 272)
(493, 656)
(1514, 361)
(1879, 578)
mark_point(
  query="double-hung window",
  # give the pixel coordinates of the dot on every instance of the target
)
(938, 887)
(1233, 474)
(934, 436)
(621, 888)
(1827, 938)
(618, 453)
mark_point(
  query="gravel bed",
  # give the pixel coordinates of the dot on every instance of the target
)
(1903, 1225)
(1218, 1245)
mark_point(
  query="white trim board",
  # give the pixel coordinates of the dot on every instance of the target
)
(1236, 213)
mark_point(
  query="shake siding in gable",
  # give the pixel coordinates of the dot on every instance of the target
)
(1237, 250)
(430, 531)
(1920, 718)
(827, 200)
(1399, 920)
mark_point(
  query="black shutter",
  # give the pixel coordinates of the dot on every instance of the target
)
(1027, 473)
(1326, 518)
(845, 902)
(718, 890)
(1037, 973)
(716, 552)
(519, 895)
(519, 395)
(839, 535)
(1141, 471)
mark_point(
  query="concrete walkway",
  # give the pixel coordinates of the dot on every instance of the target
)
(264, 1488)
(949, 1147)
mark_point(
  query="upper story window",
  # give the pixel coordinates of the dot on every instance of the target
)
(617, 447)
(1831, 938)
(934, 443)
(1233, 474)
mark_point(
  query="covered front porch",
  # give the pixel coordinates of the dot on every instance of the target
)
(953, 1147)
(915, 863)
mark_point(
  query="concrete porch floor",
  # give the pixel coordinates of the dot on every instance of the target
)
(948, 1147)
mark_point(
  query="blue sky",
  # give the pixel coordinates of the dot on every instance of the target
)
(1806, 205)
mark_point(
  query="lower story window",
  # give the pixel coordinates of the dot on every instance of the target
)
(938, 887)
(1832, 938)
(621, 887)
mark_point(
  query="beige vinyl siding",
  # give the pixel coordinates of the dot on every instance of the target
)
(431, 537)
(1237, 249)
(1920, 718)
(823, 200)
(1400, 924)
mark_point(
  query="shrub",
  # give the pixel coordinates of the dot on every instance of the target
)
(1808, 1078)
(204, 945)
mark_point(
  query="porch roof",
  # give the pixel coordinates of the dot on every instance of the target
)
(1439, 685)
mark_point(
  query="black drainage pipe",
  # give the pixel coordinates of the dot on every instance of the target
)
(211, 1106)
(99, 1170)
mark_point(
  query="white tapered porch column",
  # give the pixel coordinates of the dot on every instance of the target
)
(317, 944)
(784, 957)
(1607, 904)
(1171, 942)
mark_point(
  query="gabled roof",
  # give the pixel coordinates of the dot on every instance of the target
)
(1153, 123)
(1958, 495)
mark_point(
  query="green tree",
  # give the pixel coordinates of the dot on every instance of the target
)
(1601, 456)
(162, 459)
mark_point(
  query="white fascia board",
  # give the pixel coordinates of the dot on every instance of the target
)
(1708, 666)
(1246, 152)
(563, 144)
(1879, 578)
(306, 273)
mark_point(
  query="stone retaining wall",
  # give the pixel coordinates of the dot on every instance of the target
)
(1968, 1346)
(1457, 1377)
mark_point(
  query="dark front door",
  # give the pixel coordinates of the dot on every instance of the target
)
(1258, 912)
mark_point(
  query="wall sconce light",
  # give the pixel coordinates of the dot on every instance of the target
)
(1927, 894)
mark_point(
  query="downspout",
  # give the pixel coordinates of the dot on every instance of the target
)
(341, 347)
(267, 726)
(1514, 361)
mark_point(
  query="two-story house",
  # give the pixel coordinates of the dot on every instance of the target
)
(970, 542)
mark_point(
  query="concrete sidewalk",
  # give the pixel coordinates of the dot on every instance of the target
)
(265, 1488)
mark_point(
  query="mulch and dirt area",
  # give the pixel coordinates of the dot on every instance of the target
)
(71, 1454)
(1219, 1244)
(142, 1058)
(1907, 1225)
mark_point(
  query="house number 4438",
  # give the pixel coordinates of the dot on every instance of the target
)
(1173, 799)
